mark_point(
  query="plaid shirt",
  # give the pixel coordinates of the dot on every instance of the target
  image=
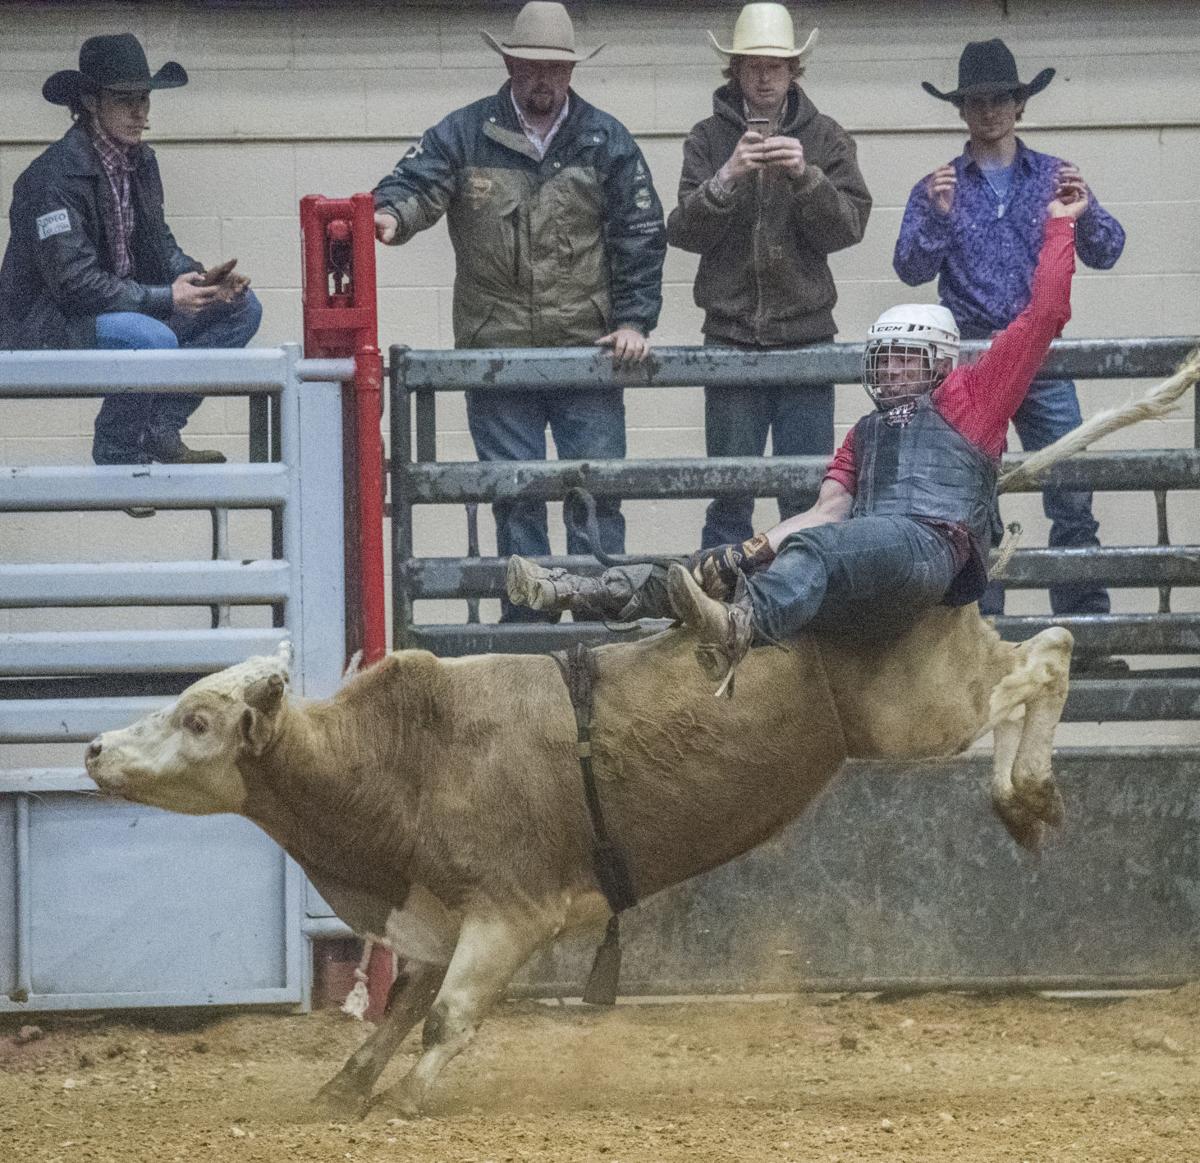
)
(118, 164)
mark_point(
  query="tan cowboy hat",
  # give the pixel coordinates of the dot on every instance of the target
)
(765, 30)
(542, 31)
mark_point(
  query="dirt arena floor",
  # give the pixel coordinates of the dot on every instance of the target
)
(937, 1077)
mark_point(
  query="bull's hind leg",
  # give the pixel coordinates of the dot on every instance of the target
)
(412, 993)
(1023, 790)
(490, 950)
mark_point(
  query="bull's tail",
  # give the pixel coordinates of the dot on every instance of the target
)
(1154, 405)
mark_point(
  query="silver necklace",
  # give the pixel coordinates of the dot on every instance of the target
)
(995, 193)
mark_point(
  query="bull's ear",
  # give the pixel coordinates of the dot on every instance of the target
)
(263, 699)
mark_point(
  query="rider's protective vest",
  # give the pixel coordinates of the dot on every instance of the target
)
(912, 462)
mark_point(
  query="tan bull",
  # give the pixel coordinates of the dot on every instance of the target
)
(438, 804)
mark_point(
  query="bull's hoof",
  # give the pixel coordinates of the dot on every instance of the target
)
(1022, 825)
(1043, 799)
(337, 1101)
(398, 1102)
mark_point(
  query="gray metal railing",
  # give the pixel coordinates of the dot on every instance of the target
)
(67, 686)
(419, 479)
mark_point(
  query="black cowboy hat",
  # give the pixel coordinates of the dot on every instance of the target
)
(115, 62)
(987, 67)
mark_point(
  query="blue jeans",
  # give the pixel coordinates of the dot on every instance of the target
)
(512, 426)
(869, 575)
(736, 422)
(1051, 410)
(127, 420)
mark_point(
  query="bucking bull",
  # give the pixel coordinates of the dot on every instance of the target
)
(438, 807)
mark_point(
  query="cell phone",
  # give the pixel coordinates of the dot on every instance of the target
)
(754, 122)
(217, 274)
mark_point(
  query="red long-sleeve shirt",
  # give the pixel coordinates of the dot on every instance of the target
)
(979, 401)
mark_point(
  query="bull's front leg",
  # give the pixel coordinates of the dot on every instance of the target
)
(490, 949)
(346, 1094)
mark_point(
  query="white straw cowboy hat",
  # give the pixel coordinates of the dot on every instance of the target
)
(765, 30)
(542, 31)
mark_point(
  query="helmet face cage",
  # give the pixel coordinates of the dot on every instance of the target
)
(890, 388)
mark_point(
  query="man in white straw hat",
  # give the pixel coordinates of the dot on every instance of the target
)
(558, 241)
(770, 188)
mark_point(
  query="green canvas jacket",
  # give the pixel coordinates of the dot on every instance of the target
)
(549, 252)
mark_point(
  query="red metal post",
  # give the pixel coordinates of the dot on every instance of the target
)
(341, 321)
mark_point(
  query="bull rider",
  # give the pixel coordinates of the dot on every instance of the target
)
(903, 518)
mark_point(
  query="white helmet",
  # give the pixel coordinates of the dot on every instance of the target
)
(924, 329)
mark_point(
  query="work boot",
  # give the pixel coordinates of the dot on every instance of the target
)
(556, 591)
(169, 448)
(725, 629)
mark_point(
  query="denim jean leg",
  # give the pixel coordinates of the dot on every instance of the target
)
(591, 426)
(872, 574)
(787, 595)
(124, 418)
(221, 325)
(801, 425)
(1051, 410)
(512, 426)
(736, 421)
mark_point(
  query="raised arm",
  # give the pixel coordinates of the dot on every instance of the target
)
(991, 391)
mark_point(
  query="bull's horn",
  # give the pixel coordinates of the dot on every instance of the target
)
(265, 694)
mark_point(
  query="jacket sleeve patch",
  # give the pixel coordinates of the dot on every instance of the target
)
(56, 222)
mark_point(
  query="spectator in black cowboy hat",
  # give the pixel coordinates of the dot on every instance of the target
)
(976, 225)
(91, 262)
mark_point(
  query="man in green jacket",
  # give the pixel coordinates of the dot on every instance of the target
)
(770, 188)
(558, 241)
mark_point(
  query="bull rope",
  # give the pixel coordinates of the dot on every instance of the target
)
(1156, 404)
(609, 864)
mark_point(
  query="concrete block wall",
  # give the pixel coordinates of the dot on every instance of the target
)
(289, 99)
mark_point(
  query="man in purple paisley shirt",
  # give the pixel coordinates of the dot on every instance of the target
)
(976, 225)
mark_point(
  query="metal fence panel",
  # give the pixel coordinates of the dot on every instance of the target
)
(106, 904)
(189, 912)
(503, 369)
(901, 877)
(461, 482)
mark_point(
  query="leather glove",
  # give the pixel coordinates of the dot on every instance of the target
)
(717, 570)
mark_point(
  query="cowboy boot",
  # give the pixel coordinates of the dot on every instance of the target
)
(725, 629)
(555, 590)
(168, 448)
